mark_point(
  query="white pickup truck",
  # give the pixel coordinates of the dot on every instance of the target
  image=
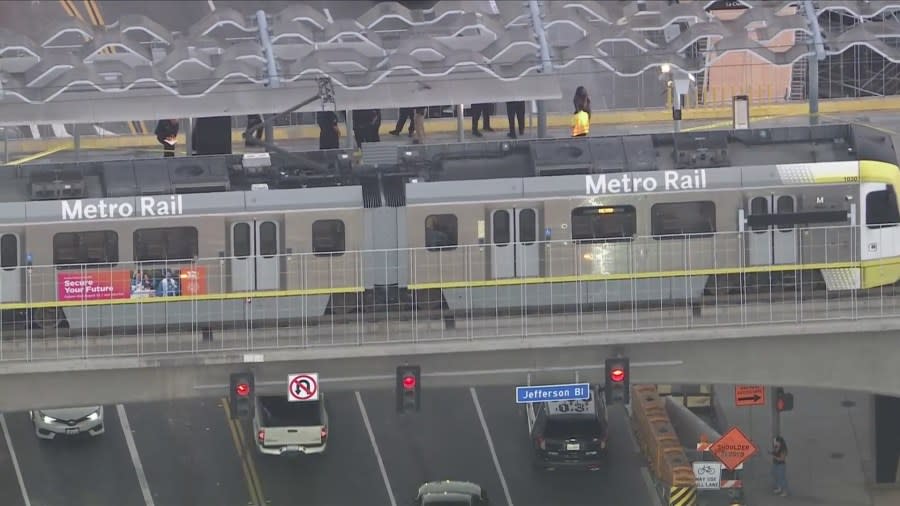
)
(290, 428)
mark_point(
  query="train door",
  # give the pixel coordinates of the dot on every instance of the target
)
(768, 243)
(514, 245)
(10, 267)
(255, 245)
(880, 235)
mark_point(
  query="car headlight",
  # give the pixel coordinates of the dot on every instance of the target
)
(47, 419)
(93, 416)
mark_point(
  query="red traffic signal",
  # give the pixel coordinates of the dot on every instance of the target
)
(617, 375)
(242, 389)
(409, 381)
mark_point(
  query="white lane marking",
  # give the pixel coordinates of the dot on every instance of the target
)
(135, 459)
(384, 476)
(452, 374)
(15, 461)
(490, 442)
(651, 488)
(212, 6)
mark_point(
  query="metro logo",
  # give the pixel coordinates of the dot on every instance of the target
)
(72, 210)
(667, 180)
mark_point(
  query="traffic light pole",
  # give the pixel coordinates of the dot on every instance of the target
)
(776, 415)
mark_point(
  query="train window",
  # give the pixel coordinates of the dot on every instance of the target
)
(441, 232)
(241, 240)
(527, 226)
(9, 251)
(96, 247)
(500, 226)
(165, 244)
(671, 220)
(881, 208)
(601, 224)
(785, 205)
(328, 237)
(268, 239)
(759, 206)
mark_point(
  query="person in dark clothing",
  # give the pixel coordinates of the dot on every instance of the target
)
(329, 131)
(252, 121)
(166, 133)
(366, 123)
(515, 110)
(374, 127)
(406, 113)
(481, 111)
(779, 466)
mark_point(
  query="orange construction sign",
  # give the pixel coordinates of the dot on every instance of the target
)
(733, 448)
(749, 395)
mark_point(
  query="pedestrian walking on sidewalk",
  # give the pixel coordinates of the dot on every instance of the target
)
(779, 466)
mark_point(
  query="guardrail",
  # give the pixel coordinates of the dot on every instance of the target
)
(315, 300)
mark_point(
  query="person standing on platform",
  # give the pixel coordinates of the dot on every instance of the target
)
(581, 120)
(515, 110)
(481, 111)
(419, 125)
(166, 133)
(252, 121)
(406, 113)
(329, 131)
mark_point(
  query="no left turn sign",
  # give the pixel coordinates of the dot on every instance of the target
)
(303, 387)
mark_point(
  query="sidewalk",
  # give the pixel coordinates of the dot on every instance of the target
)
(829, 438)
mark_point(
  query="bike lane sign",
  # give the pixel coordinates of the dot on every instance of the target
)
(708, 475)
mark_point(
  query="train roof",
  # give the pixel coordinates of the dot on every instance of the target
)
(233, 177)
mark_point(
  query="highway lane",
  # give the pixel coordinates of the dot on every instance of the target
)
(190, 457)
(82, 470)
(187, 453)
(10, 491)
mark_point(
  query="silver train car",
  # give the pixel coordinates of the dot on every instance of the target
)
(503, 225)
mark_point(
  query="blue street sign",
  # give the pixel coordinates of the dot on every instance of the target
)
(548, 393)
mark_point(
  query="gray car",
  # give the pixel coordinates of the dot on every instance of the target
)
(49, 423)
(451, 493)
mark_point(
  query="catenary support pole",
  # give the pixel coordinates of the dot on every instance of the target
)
(546, 64)
(76, 140)
(460, 124)
(189, 136)
(813, 60)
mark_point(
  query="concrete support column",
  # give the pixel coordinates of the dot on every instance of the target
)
(189, 136)
(5, 144)
(76, 142)
(269, 130)
(348, 140)
(460, 124)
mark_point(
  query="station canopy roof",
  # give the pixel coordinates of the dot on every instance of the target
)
(186, 59)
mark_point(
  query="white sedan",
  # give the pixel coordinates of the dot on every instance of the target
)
(49, 423)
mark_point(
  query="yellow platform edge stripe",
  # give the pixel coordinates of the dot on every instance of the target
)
(456, 284)
(636, 275)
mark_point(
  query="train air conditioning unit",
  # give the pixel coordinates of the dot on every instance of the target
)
(118, 178)
(56, 182)
(152, 177)
(701, 150)
(562, 156)
(199, 174)
(640, 153)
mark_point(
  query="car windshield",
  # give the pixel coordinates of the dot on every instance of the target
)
(572, 426)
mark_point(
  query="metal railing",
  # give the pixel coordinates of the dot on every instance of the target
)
(464, 293)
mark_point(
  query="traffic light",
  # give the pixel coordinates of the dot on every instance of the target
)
(783, 401)
(618, 378)
(241, 394)
(409, 388)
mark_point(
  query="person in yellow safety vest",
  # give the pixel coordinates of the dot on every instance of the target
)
(581, 119)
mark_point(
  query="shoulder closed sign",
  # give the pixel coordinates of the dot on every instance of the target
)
(303, 387)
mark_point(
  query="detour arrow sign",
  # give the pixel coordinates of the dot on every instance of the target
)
(749, 395)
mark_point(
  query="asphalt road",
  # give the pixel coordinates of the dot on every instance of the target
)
(191, 455)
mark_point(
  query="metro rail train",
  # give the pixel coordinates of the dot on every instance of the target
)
(506, 225)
